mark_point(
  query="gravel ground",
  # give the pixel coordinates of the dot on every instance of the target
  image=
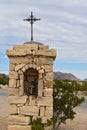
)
(3, 123)
(3, 112)
(79, 123)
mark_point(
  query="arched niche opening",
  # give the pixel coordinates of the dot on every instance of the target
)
(31, 82)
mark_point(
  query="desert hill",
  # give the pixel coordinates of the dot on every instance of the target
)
(65, 76)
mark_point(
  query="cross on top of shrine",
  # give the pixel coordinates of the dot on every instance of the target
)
(31, 19)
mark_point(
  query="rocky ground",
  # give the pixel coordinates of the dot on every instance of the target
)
(79, 123)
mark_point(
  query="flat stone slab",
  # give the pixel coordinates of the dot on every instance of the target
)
(17, 99)
(29, 110)
(18, 120)
(45, 101)
(18, 127)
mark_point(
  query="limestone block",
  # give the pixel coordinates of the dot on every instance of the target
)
(26, 67)
(34, 66)
(20, 105)
(13, 91)
(21, 83)
(29, 110)
(13, 75)
(19, 60)
(20, 72)
(18, 120)
(42, 67)
(18, 83)
(30, 65)
(19, 127)
(23, 69)
(49, 76)
(48, 68)
(18, 67)
(16, 53)
(45, 101)
(12, 67)
(21, 91)
(41, 71)
(26, 47)
(48, 92)
(43, 60)
(38, 68)
(48, 84)
(40, 76)
(13, 109)
(21, 76)
(43, 47)
(42, 111)
(50, 53)
(12, 83)
(40, 88)
(31, 101)
(33, 52)
(18, 99)
(49, 111)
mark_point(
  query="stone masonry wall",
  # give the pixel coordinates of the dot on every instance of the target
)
(24, 108)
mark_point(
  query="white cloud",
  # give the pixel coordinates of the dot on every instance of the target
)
(63, 26)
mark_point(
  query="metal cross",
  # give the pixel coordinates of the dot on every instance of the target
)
(31, 19)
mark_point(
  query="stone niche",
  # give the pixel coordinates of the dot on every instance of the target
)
(30, 84)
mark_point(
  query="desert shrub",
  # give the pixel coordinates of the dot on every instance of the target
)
(65, 98)
(37, 124)
(4, 79)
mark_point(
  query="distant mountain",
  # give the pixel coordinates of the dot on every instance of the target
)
(65, 76)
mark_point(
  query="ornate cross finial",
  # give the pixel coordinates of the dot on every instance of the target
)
(31, 19)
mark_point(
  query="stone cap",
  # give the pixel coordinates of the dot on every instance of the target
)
(31, 48)
(34, 42)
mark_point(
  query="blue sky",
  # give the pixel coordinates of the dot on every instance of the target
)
(63, 26)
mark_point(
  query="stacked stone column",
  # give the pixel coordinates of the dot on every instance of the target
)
(24, 108)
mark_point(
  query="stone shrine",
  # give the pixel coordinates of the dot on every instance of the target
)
(30, 84)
